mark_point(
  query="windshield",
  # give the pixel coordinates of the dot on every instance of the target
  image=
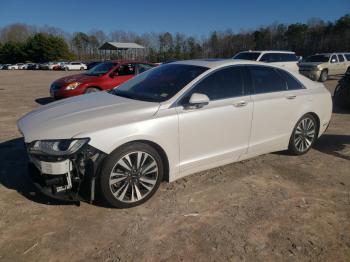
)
(159, 84)
(317, 58)
(247, 56)
(101, 69)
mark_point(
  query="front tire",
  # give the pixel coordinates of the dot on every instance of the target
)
(323, 76)
(304, 135)
(131, 175)
(92, 90)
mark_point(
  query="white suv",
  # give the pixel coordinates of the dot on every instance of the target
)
(75, 66)
(285, 59)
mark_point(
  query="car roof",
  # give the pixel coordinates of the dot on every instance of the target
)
(268, 51)
(213, 63)
(126, 61)
(329, 54)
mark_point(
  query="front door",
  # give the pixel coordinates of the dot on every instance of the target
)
(121, 74)
(217, 133)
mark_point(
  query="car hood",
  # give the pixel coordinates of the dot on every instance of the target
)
(82, 114)
(310, 63)
(83, 78)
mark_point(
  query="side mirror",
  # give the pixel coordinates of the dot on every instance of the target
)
(333, 60)
(197, 101)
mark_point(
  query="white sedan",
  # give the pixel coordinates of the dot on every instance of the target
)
(74, 66)
(169, 122)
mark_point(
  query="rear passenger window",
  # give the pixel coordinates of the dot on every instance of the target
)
(341, 58)
(225, 83)
(270, 58)
(266, 80)
(144, 67)
(292, 83)
(347, 56)
(288, 57)
(127, 69)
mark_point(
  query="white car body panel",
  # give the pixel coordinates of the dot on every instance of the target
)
(193, 140)
(13, 67)
(225, 119)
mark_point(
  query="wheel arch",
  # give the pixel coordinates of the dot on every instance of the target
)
(93, 86)
(317, 119)
(160, 151)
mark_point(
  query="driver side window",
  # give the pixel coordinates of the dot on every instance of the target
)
(222, 84)
(334, 59)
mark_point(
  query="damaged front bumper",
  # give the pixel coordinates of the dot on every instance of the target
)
(67, 178)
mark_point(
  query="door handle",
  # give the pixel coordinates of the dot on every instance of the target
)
(240, 104)
(291, 97)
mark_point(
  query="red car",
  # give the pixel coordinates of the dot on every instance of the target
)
(104, 76)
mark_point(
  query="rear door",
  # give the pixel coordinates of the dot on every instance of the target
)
(275, 104)
(342, 64)
(285, 60)
(140, 68)
(289, 61)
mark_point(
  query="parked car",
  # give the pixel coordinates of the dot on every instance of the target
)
(169, 122)
(285, 59)
(12, 67)
(92, 64)
(60, 66)
(44, 66)
(342, 91)
(320, 66)
(74, 66)
(21, 66)
(32, 66)
(52, 65)
(6, 66)
(104, 76)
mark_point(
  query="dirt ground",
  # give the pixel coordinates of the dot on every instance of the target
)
(274, 207)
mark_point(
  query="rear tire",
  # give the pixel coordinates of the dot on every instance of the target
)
(324, 75)
(339, 99)
(304, 135)
(130, 175)
(81, 68)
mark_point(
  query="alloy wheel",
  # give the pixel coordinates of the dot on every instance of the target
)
(304, 134)
(133, 177)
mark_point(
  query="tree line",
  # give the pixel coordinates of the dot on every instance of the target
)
(21, 42)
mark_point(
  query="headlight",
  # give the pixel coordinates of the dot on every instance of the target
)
(61, 147)
(72, 86)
